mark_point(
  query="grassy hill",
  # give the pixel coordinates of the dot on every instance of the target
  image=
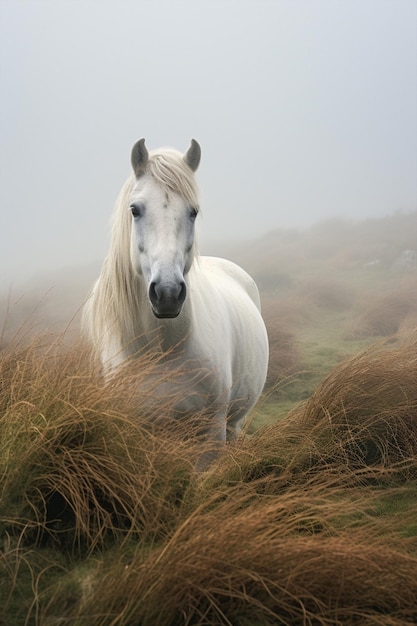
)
(309, 519)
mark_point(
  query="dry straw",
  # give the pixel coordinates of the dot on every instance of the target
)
(83, 461)
(104, 516)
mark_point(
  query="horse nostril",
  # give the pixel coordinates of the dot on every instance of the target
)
(158, 292)
(182, 293)
(153, 293)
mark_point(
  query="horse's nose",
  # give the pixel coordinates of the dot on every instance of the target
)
(167, 298)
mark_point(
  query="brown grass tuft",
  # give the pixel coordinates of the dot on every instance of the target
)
(105, 520)
(85, 462)
(275, 561)
(359, 425)
(364, 412)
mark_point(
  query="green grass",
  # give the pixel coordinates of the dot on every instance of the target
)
(322, 346)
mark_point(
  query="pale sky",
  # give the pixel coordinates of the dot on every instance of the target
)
(304, 109)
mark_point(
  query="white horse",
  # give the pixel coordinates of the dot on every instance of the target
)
(154, 288)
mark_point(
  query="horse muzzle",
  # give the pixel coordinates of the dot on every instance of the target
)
(167, 299)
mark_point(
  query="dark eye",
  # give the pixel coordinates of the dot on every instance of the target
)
(193, 213)
(136, 210)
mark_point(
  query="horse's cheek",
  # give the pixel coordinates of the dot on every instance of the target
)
(135, 255)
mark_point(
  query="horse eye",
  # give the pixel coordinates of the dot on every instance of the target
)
(193, 213)
(136, 210)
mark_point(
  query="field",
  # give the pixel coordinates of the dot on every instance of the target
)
(309, 519)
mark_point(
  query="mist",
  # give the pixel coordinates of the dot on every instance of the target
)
(305, 111)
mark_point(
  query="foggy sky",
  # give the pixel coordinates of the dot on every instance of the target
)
(304, 110)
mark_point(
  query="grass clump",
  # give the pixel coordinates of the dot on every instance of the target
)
(364, 412)
(242, 564)
(360, 421)
(105, 522)
(80, 465)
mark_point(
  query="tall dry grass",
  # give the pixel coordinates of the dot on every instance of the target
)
(106, 522)
(259, 561)
(359, 423)
(364, 413)
(83, 461)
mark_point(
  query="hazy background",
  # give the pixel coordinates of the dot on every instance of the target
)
(304, 110)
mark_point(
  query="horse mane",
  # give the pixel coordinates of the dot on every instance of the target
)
(111, 314)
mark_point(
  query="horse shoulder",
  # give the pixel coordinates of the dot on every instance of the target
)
(223, 267)
(227, 313)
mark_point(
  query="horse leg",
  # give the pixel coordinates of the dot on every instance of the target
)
(234, 426)
(214, 439)
(236, 418)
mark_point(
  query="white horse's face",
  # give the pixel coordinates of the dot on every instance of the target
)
(162, 244)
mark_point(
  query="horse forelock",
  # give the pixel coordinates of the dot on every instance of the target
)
(169, 170)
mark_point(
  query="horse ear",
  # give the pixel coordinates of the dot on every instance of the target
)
(193, 155)
(139, 157)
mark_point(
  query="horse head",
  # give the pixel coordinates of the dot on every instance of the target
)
(164, 207)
